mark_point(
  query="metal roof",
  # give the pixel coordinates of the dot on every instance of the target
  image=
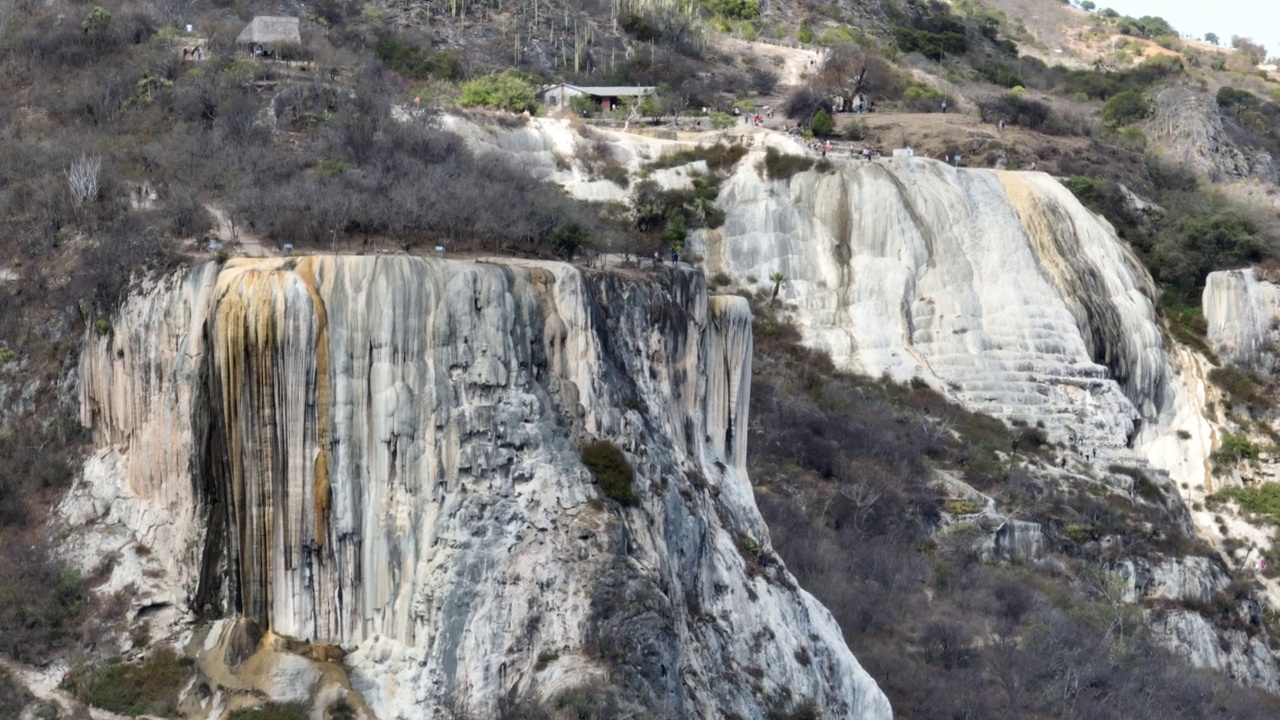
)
(606, 90)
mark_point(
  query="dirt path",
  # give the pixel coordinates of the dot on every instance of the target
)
(250, 245)
(792, 64)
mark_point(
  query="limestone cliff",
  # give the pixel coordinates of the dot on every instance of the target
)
(1242, 311)
(382, 453)
(995, 286)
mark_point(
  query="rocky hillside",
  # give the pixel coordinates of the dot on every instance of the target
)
(1013, 429)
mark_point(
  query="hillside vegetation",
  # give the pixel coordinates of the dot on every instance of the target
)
(845, 470)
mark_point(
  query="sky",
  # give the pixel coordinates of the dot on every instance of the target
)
(1256, 19)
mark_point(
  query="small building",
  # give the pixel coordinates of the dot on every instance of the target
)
(269, 35)
(556, 97)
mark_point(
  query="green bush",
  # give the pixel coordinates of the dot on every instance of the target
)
(415, 62)
(1235, 448)
(822, 124)
(722, 121)
(569, 238)
(962, 507)
(922, 98)
(95, 21)
(1217, 237)
(842, 36)
(508, 90)
(735, 9)
(781, 166)
(612, 471)
(676, 231)
(1262, 501)
(1126, 107)
(720, 280)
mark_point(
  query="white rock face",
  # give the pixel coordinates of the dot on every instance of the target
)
(1231, 652)
(999, 287)
(1191, 579)
(1243, 314)
(142, 394)
(383, 453)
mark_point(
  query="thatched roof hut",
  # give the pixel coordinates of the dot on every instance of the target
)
(270, 33)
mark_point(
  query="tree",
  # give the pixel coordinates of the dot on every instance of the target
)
(82, 181)
(1088, 5)
(736, 9)
(849, 71)
(95, 21)
(1255, 52)
(822, 124)
(676, 230)
(1212, 38)
(777, 279)
(722, 121)
(507, 90)
(671, 101)
(1125, 107)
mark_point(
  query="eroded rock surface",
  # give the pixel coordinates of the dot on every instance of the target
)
(997, 287)
(1187, 127)
(1242, 310)
(382, 453)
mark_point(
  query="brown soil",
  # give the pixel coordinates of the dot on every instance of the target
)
(938, 134)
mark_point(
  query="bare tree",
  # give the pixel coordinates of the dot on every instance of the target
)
(83, 181)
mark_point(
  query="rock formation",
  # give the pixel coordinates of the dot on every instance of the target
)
(383, 453)
(997, 287)
(1187, 126)
(1242, 310)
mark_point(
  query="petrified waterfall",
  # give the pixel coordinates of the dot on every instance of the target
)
(997, 287)
(382, 452)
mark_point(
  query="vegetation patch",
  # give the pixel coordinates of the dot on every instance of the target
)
(1126, 107)
(778, 165)
(1234, 449)
(845, 472)
(414, 62)
(147, 688)
(1242, 386)
(273, 711)
(1262, 502)
(720, 157)
(13, 696)
(1187, 324)
(545, 658)
(509, 90)
(614, 474)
